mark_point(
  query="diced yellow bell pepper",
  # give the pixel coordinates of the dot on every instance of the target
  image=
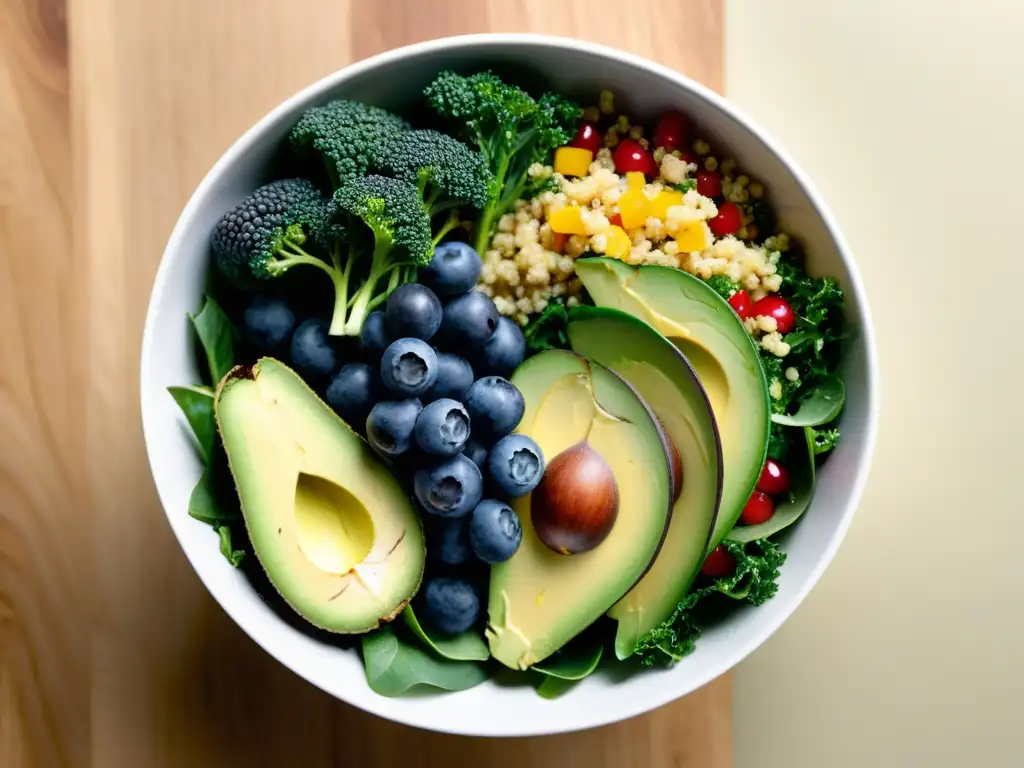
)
(567, 221)
(573, 161)
(617, 242)
(691, 238)
(664, 200)
(633, 208)
(635, 180)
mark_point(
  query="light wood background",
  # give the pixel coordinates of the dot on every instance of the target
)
(111, 653)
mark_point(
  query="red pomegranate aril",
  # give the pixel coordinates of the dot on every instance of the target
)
(719, 563)
(759, 509)
(777, 307)
(587, 137)
(728, 220)
(774, 478)
(670, 132)
(709, 183)
(629, 155)
(740, 301)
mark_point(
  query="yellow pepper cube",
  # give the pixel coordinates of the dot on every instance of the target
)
(635, 180)
(567, 221)
(573, 161)
(658, 207)
(692, 237)
(633, 208)
(617, 242)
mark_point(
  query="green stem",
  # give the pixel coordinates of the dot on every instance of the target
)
(378, 268)
(450, 223)
(486, 220)
(340, 297)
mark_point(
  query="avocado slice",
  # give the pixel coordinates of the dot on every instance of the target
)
(669, 385)
(539, 600)
(712, 337)
(329, 523)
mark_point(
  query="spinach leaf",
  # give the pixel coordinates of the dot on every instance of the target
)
(468, 646)
(217, 337)
(574, 662)
(553, 687)
(801, 474)
(234, 556)
(393, 666)
(820, 406)
(197, 405)
(209, 502)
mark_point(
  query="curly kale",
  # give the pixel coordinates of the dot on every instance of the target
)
(754, 581)
(448, 174)
(722, 285)
(511, 129)
(262, 237)
(384, 217)
(350, 136)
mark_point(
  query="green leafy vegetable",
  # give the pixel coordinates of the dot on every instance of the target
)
(553, 687)
(468, 646)
(686, 185)
(548, 329)
(753, 581)
(197, 405)
(723, 286)
(217, 337)
(574, 662)
(819, 406)
(801, 491)
(234, 556)
(393, 666)
(824, 439)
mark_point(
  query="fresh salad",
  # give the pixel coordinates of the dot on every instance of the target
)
(508, 385)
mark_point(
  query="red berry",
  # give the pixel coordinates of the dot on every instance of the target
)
(777, 307)
(689, 158)
(587, 137)
(719, 563)
(728, 220)
(630, 156)
(774, 478)
(740, 301)
(670, 132)
(709, 183)
(759, 508)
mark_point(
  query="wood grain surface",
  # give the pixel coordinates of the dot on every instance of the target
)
(111, 652)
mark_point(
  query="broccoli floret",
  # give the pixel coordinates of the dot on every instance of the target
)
(349, 135)
(447, 173)
(385, 217)
(511, 129)
(722, 285)
(262, 237)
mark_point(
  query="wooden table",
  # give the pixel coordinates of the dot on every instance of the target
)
(111, 652)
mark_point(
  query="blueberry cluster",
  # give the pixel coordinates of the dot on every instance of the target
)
(432, 393)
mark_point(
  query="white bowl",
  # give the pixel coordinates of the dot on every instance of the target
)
(392, 80)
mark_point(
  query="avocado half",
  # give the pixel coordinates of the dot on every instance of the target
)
(711, 336)
(540, 599)
(329, 522)
(668, 384)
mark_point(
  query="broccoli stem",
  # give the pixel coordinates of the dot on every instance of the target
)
(450, 223)
(339, 277)
(366, 298)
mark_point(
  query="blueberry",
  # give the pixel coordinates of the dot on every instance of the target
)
(449, 489)
(494, 531)
(475, 451)
(442, 427)
(495, 407)
(504, 351)
(313, 351)
(451, 605)
(390, 425)
(448, 540)
(515, 465)
(413, 310)
(469, 320)
(454, 378)
(268, 322)
(454, 269)
(352, 393)
(409, 366)
(374, 337)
